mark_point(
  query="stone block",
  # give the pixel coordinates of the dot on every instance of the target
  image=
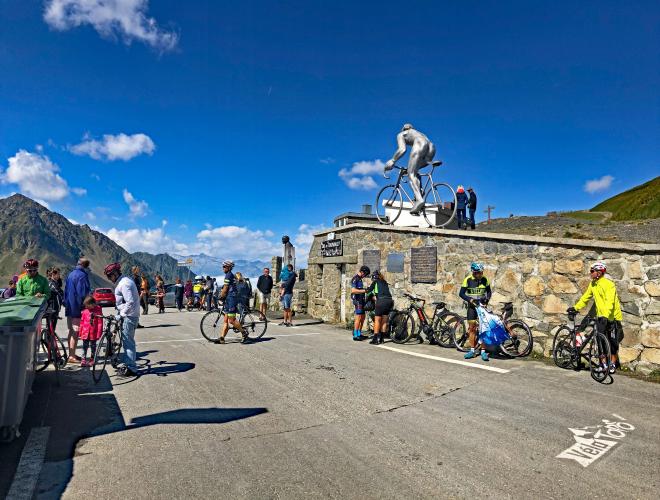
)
(645, 368)
(528, 266)
(534, 286)
(628, 354)
(631, 319)
(498, 298)
(651, 355)
(649, 260)
(561, 284)
(653, 308)
(652, 288)
(566, 266)
(650, 337)
(653, 273)
(554, 305)
(508, 281)
(529, 310)
(615, 270)
(631, 335)
(635, 271)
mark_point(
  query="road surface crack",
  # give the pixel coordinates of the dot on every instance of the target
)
(283, 432)
(424, 400)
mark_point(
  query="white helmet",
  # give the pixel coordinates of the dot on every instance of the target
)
(228, 263)
(198, 278)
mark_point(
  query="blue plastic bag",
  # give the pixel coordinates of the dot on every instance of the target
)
(491, 329)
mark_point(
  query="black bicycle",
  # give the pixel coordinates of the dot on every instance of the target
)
(109, 346)
(52, 349)
(572, 343)
(442, 326)
(254, 325)
(400, 325)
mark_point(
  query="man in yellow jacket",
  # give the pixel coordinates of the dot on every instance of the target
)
(608, 308)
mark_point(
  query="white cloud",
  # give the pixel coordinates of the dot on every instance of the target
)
(164, 222)
(237, 242)
(303, 241)
(95, 176)
(79, 191)
(328, 160)
(90, 215)
(137, 208)
(47, 205)
(359, 175)
(36, 176)
(114, 147)
(112, 19)
(595, 185)
(146, 240)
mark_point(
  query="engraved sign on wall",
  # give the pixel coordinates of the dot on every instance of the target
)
(332, 248)
(395, 263)
(424, 264)
(371, 259)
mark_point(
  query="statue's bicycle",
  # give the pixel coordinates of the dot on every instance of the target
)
(439, 198)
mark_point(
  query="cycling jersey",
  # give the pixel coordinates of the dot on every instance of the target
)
(356, 282)
(230, 283)
(28, 286)
(475, 289)
(380, 289)
(603, 291)
(197, 288)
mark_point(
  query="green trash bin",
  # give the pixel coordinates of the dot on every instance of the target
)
(20, 326)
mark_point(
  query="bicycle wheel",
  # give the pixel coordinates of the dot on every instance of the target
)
(103, 352)
(368, 327)
(211, 325)
(440, 205)
(444, 326)
(461, 337)
(402, 328)
(520, 341)
(254, 326)
(599, 357)
(389, 198)
(115, 351)
(43, 354)
(563, 351)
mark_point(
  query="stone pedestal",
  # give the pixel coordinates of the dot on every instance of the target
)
(437, 215)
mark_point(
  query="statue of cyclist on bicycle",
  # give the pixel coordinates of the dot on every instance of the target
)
(422, 152)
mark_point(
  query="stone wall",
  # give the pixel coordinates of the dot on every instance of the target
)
(541, 276)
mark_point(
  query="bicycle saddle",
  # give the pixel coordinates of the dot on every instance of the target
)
(412, 297)
(439, 304)
(436, 163)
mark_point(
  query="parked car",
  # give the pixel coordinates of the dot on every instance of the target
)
(105, 297)
(170, 301)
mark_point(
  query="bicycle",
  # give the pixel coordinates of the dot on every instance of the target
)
(567, 352)
(211, 325)
(439, 199)
(52, 349)
(519, 343)
(399, 325)
(108, 347)
(441, 328)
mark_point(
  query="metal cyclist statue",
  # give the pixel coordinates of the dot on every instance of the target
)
(422, 152)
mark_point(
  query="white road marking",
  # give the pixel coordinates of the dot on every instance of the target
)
(295, 334)
(203, 340)
(447, 360)
(29, 467)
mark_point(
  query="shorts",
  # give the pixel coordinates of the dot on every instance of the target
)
(612, 330)
(73, 325)
(472, 313)
(287, 298)
(263, 298)
(383, 307)
(230, 306)
(359, 307)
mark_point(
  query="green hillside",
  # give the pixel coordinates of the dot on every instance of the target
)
(640, 202)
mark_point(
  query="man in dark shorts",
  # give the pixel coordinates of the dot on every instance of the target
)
(475, 290)
(229, 297)
(359, 299)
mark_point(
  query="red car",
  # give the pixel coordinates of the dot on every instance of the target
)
(105, 297)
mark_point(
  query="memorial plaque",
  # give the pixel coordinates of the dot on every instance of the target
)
(332, 248)
(424, 265)
(395, 263)
(371, 259)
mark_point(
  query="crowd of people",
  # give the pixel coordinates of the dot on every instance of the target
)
(475, 290)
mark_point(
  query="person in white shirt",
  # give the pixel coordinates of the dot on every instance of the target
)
(128, 306)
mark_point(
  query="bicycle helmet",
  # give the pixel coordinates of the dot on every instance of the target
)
(375, 275)
(599, 266)
(228, 263)
(475, 267)
(365, 270)
(31, 265)
(111, 268)
(198, 278)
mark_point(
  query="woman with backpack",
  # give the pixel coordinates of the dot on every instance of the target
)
(380, 289)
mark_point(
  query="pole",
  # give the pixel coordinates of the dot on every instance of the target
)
(488, 210)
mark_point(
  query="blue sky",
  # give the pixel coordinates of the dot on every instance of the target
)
(206, 126)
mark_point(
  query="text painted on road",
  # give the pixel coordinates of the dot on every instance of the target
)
(592, 442)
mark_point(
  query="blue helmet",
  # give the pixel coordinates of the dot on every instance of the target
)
(475, 267)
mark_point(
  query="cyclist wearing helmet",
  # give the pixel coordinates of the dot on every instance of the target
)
(358, 295)
(127, 300)
(608, 308)
(229, 297)
(380, 289)
(475, 289)
(32, 284)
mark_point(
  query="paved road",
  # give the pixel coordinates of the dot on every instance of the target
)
(307, 413)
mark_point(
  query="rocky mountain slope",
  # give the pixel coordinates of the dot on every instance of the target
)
(29, 230)
(208, 265)
(639, 203)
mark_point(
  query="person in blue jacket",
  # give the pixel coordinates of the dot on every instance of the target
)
(77, 287)
(461, 203)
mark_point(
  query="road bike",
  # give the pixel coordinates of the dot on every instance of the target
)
(109, 346)
(440, 329)
(52, 349)
(439, 198)
(254, 325)
(519, 343)
(573, 343)
(400, 325)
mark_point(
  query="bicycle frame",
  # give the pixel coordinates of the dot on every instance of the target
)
(400, 181)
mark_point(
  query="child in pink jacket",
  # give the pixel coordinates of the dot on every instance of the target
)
(91, 328)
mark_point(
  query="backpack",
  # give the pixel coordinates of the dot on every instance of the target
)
(491, 329)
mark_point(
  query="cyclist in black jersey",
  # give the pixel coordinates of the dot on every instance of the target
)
(384, 305)
(475, 289)
(358, 295)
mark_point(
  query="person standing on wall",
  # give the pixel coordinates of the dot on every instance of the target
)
(380, 289)
(608, 309)
(264, 287)
(76, 288)
(472, 205)
(358, 295)
(461, 203)
(287, 295)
